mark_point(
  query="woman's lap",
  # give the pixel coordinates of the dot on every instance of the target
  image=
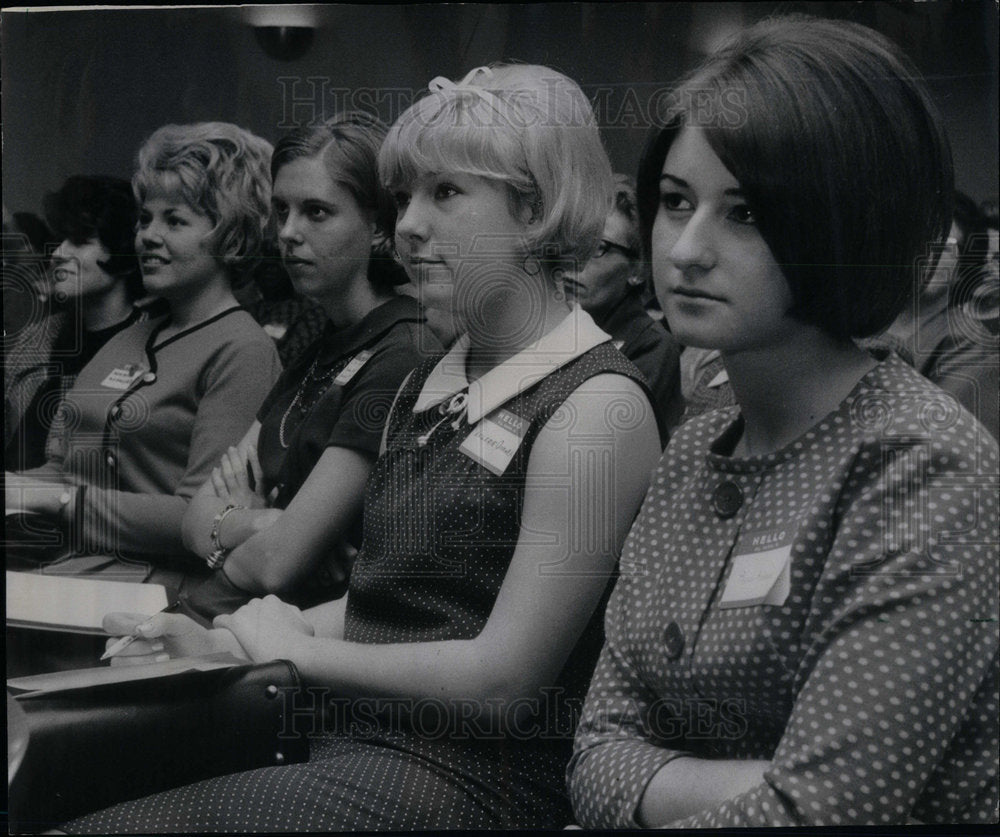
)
(347, 786)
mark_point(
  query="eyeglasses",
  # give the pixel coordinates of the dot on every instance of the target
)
(605, 246)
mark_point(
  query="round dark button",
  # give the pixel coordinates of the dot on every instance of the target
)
(727, 499)
(673, 639)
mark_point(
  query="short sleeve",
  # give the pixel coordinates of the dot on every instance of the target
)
(367, 403)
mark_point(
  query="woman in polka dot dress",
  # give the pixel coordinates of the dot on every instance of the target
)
(804, 631)
(512, 469)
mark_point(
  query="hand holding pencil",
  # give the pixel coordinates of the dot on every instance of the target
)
(140, 638)
(142, 629)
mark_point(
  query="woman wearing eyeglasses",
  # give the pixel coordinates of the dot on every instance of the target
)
(609, 288)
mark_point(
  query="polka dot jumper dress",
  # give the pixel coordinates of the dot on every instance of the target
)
(440, 531)
(830, 607)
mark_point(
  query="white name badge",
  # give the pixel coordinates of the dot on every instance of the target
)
(275, 330)
(353, 367)
(495, 440)
(122, 377)
(719, 380)
(762, 570)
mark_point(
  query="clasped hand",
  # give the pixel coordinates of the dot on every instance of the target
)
(231, 479)
(264, 629)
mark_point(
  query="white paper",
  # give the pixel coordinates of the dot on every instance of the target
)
(60, 681)
(56, 602)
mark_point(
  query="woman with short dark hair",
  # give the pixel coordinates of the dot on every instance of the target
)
(803, 631)
(95, 280)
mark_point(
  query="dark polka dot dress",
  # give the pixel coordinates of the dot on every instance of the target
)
(831, 607)
(440, 531)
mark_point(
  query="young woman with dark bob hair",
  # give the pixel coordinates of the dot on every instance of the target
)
(804, 630)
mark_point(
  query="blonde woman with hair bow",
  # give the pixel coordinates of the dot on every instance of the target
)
(511, 469)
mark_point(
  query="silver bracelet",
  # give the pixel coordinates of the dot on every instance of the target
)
(216, 558)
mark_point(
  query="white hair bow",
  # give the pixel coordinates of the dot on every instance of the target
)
(440, 83)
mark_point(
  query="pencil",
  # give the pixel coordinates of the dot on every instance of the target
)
(126, 641)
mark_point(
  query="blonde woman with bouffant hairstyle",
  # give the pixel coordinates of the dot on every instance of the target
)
(155, 409)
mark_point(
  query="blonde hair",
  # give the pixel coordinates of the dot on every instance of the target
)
(221, 170)
(525, 125)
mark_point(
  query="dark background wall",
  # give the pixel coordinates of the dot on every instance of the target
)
(82, 89)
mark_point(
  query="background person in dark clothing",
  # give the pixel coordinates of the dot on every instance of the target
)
(609, 287)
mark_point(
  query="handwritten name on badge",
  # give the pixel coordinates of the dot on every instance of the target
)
(762, 569)
(122, 377)
(353, 367)
(495, 440)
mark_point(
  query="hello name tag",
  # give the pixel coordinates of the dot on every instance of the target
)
(762, 569)
(122, 377)
(495, 440)
(353, 367)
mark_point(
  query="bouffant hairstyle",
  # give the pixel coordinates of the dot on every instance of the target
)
(348, 144)
(89, 207)
(525, 125)
(841, 155)
(221, 170)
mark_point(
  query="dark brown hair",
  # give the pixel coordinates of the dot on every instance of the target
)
(840, 153)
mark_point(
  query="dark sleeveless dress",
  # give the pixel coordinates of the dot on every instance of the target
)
(440, 531)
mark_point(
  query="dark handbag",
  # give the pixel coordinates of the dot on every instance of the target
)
(93, 747)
